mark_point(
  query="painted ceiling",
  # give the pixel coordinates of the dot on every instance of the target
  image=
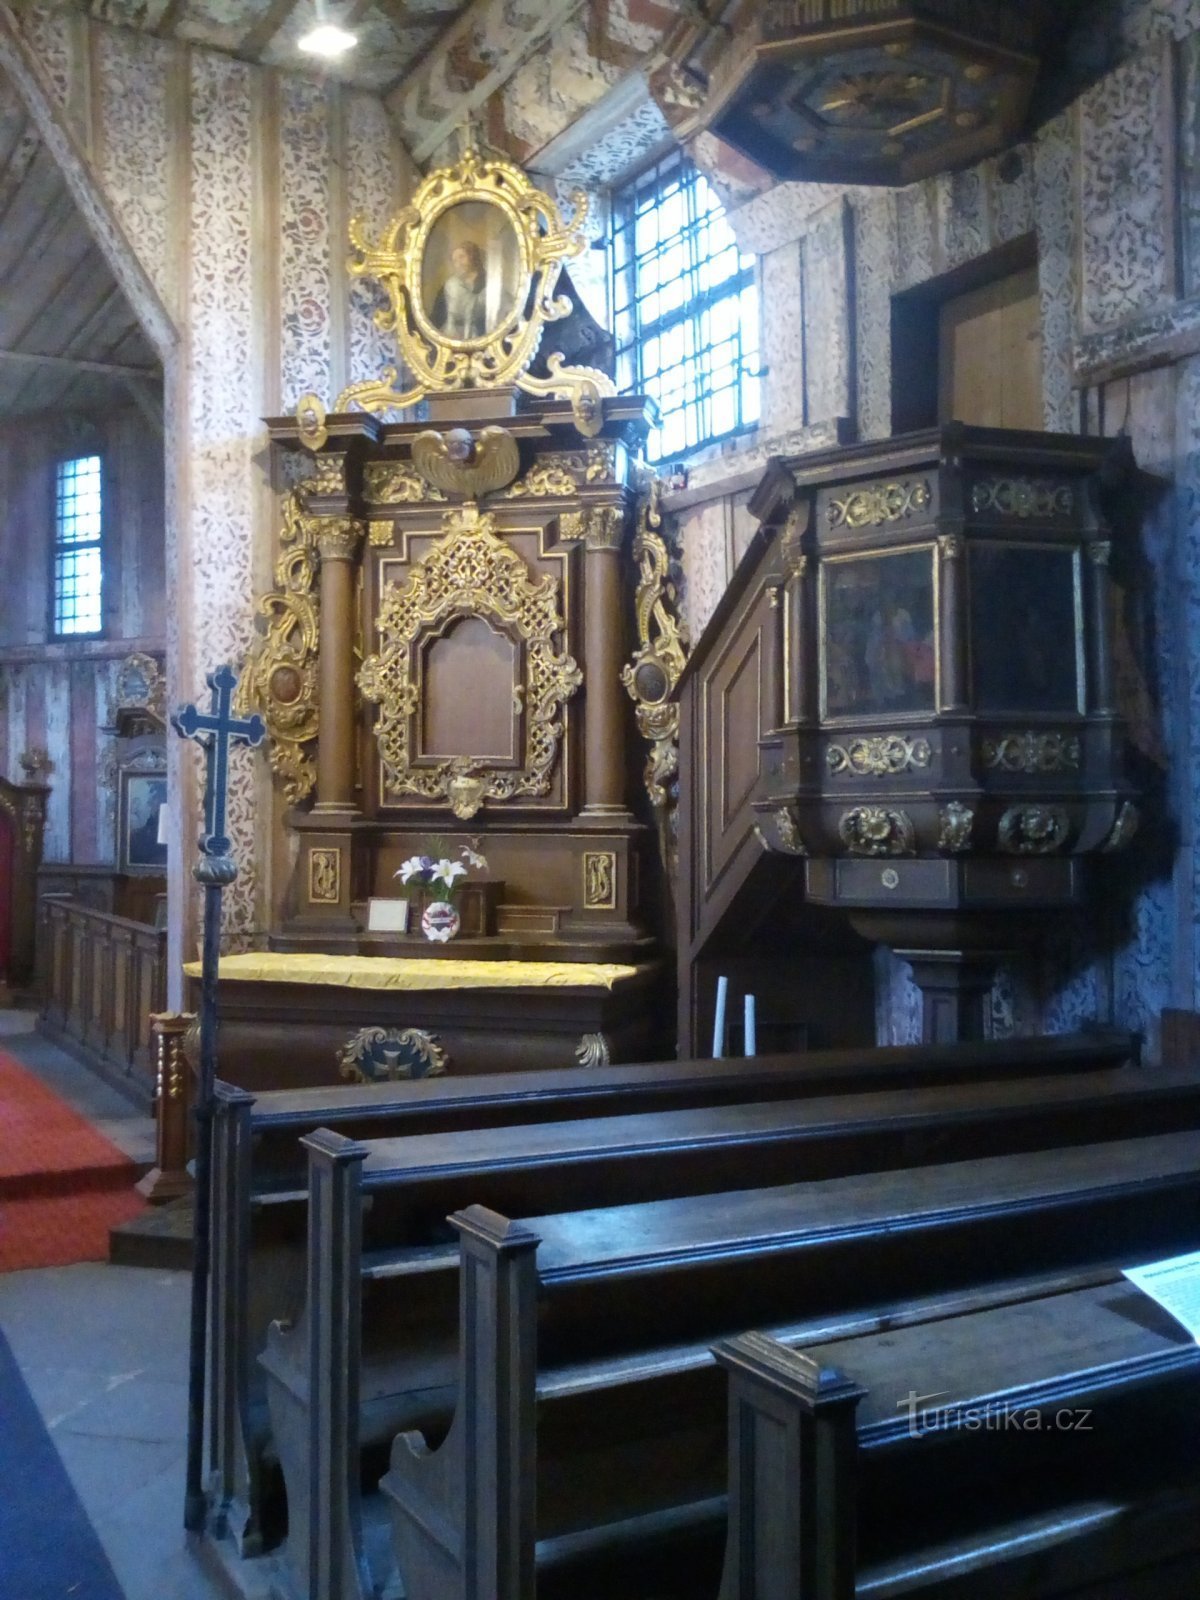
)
(392, 34)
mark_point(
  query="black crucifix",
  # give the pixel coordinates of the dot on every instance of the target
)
(215, 729)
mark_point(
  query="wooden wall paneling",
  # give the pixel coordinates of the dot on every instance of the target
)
(990, 354)
(103, 978)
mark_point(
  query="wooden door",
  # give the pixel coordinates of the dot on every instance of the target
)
(990, 355)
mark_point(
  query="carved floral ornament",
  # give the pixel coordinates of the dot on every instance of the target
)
(885, 757)
(877, 831)
(470, 268)
(470, 571)
(1032, 752)
(880, 503)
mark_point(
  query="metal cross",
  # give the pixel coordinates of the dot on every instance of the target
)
(216, 730)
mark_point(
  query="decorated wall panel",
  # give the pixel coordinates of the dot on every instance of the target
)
(228, 184)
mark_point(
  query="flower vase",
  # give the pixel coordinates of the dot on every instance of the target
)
(440, 921)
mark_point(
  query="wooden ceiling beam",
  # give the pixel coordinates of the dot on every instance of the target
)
(172, 13)
(399, 15)
(256, 39)
(108, 369)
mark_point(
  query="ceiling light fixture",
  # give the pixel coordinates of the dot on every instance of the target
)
(328, 41)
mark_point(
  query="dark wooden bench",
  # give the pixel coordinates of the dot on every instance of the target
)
(412, 1183)
(1045, 1449)
(259, 1177)
(584, 1382)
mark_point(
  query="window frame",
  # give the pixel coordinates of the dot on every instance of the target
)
(60, 546)
(666, 169)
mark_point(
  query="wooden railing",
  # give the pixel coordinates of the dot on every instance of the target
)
(103, 977)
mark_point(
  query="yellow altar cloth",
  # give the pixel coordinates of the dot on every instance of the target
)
(390, 972)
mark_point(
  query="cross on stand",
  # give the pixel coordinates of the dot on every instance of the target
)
(215, 731)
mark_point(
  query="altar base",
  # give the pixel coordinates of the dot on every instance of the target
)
(286, 1019)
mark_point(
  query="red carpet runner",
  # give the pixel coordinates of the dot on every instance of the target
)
(62, 1184)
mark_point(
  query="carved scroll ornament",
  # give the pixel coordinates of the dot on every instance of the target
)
(651, 677)
(279, 678)
(380, 1055)
(469, 572)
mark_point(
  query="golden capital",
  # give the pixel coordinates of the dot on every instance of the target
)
(598, 527)
(338, 538)
(952, 546)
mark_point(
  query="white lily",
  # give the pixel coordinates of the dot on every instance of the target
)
(411, 867)
(446, 871)
(474, 858)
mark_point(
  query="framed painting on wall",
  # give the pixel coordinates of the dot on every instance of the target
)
(142, 797)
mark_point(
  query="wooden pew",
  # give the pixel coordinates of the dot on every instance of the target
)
(257, 1247)
(589, 1426)
(413, 1182)
(1043, 1449)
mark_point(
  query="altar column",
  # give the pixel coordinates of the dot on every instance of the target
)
(603, 646)
(338, 539)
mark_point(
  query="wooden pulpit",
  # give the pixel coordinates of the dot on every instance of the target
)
(903, 710)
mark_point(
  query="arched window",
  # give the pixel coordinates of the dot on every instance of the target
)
(685, 309)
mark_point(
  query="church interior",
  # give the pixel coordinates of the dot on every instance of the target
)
(599, 775)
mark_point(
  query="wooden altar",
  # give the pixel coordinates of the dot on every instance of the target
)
(442, 659)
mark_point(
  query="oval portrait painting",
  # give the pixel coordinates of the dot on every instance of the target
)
(470, 272)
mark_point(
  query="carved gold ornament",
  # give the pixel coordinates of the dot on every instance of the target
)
(457, 463)
(1022, 497)
(599, 880)
(279, 678)
(141, 686)
(1032, 752)
(876, 831)
(955, 825)
(880, 503)
(324, 875)
(1033, 830)
(397, 483)
(310, 417)
(381, 1055)
(469, 572)
(469, 295)
(878, 758)
(652, 676)
(788, 840)
(563, 472)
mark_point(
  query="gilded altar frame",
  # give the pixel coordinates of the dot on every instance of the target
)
(513, 242)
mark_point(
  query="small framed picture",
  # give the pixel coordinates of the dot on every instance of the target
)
(387, 916)
(142, 797)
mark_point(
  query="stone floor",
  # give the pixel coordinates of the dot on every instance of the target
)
(104, 1352)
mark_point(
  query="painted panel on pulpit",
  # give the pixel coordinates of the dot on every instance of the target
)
(1026, 628)
(878, 634)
